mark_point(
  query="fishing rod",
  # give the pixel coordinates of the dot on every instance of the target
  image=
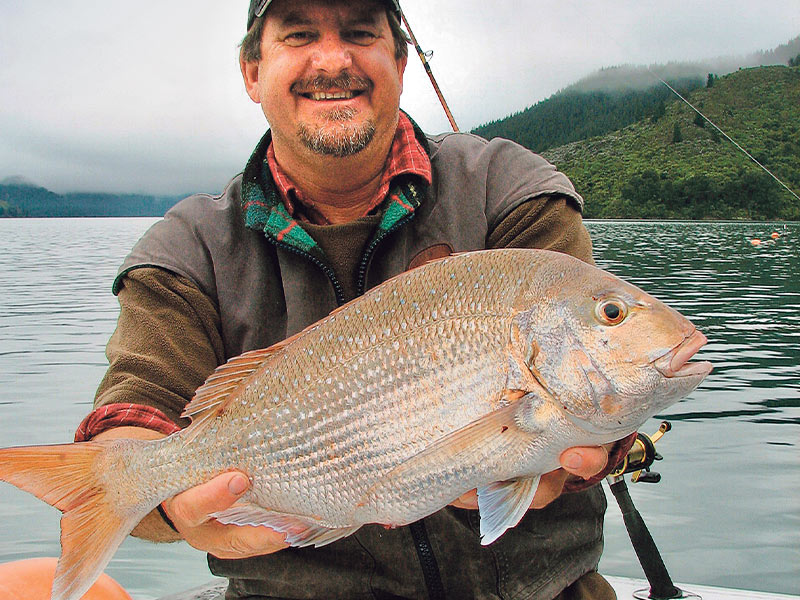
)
(729, 138)
(608, 35)
(423, 56)
(637, 462)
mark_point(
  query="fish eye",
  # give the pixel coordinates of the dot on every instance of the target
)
(611, 311)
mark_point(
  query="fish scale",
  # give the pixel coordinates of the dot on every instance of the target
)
(369, 355)
(474, 371)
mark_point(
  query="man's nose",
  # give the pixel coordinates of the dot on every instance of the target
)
(331, 55)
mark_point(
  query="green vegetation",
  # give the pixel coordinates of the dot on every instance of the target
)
(574, 115)
(673, 168)
(28, 200)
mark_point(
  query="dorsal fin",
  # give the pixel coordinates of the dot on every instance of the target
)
(214, 395)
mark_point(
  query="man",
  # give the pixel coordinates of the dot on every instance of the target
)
(342, 193)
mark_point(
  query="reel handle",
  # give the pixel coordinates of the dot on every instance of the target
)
(641, 455)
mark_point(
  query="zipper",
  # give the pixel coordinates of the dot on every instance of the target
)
(422, 544)
(337, 287)
(427, 560)
(362, 268)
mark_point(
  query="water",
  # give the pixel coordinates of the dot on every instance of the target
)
(727, 511)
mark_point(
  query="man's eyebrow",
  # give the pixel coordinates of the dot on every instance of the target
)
(294, 18)
(366, 16)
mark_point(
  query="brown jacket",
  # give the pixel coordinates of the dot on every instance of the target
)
(224, 283)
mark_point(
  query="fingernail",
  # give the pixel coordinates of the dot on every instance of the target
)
(573, 460)
(238, 485)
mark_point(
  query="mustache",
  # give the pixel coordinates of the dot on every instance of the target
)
(320, 83)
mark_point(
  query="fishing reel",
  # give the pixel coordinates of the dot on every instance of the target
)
(641, 456)
(637, 462)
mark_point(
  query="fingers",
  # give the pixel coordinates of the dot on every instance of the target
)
(582, 461)
(234, 541)
(550, 487)
(191, 512)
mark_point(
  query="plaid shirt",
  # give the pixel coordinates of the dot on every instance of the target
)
(406, 156)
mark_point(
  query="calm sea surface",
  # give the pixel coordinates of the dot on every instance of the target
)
(727, 511)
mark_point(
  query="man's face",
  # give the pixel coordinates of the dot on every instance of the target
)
(328, 79)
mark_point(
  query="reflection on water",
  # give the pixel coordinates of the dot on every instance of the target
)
(726, 513)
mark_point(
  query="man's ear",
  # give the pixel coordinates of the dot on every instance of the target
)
(250, 76)
(401, 69)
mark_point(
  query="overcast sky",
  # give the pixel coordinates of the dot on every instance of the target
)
(146, 96)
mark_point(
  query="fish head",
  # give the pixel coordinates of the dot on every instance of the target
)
(609, 354)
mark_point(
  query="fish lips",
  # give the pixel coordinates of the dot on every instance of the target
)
(675, 363)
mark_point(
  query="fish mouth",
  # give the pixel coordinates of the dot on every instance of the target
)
(675, 363)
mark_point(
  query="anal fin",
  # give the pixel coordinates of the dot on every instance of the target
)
(503, 504)
(300, 531)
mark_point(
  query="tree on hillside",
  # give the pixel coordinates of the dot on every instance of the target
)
(711, 79)
(660, 111)
(677, 136)
(795, 62)
(699, 120)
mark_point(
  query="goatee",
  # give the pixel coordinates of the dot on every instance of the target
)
(340, 137)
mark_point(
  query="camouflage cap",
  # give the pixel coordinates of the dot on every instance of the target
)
(259, 7)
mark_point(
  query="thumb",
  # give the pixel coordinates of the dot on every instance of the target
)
(586, 461)
(193, 506)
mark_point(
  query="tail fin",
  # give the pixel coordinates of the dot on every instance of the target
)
(92, 527)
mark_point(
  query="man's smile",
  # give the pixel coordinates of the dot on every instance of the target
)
(326, 89)
(337, 95)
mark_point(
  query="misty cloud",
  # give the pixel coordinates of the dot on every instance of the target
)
(147, 97)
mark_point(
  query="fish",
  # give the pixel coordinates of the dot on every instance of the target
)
(475, 371)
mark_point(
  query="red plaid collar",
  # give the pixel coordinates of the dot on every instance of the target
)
(406, 156)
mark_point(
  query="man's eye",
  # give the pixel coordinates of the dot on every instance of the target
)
(298, 38)
(361, 36)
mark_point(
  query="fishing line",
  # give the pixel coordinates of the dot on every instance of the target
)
(729, 138)
(650, 72)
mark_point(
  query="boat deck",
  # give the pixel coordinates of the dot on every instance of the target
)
(624, 587)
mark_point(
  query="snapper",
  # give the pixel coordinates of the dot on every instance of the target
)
(473, 371)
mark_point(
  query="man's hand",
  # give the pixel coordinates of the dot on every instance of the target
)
(190, 512)
(582, 461)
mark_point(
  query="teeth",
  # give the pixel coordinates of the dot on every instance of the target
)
(331, 95)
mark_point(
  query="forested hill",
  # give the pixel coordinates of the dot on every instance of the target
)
(677, 165)
(20, 198)
(615, 97)
(575, 114)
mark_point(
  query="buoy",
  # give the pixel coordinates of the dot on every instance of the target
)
(755, 242)
(32, 579)
(775, 235)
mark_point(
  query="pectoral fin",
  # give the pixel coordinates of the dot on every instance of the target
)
(300, 531)
(461, 453)
(503, 504)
